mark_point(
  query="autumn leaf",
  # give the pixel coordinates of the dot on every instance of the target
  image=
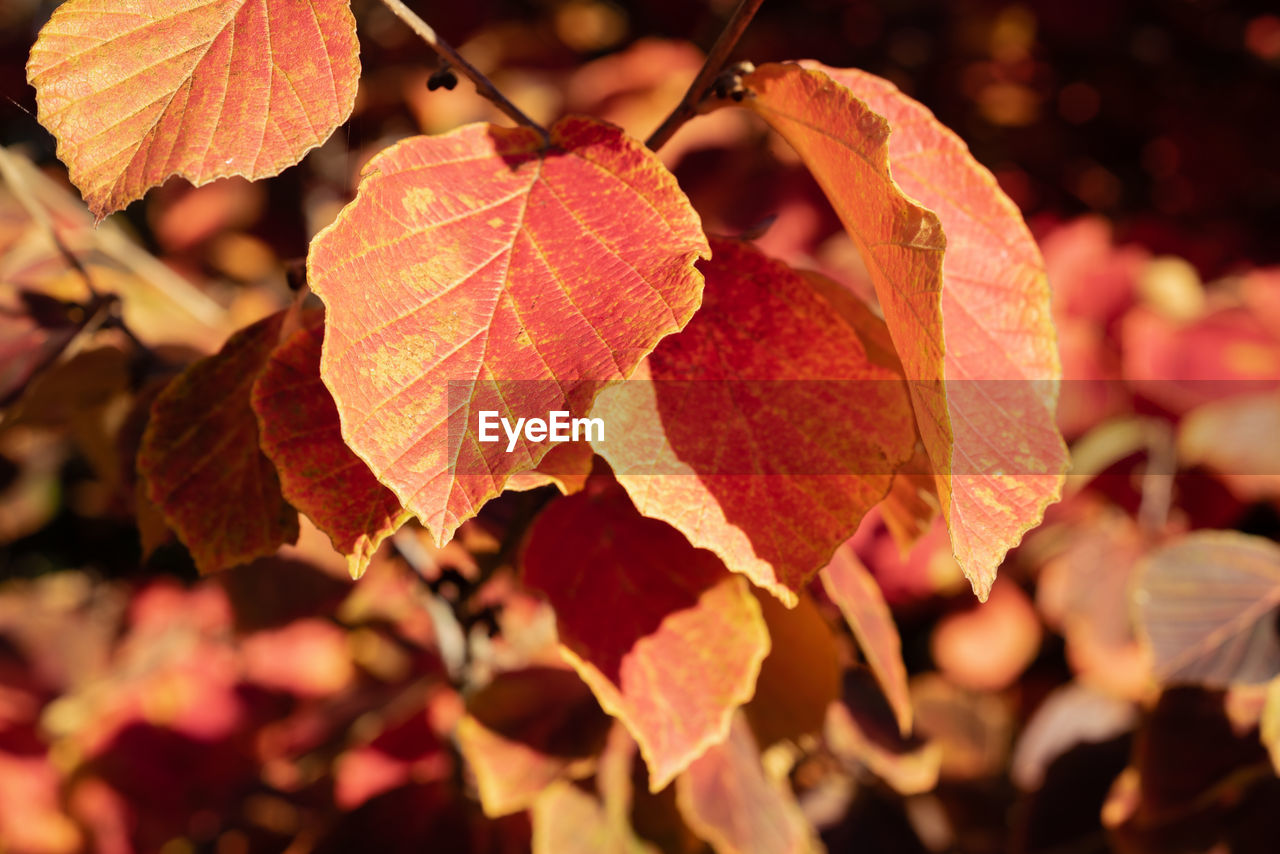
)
(800, 677)
(568, 820)
(1236, 438)
(854, 589)
(968, 311)
(136, 90)
(525, 730)
(670, 642)
(299, 432)
(862, 730)
(509, 278)
(765, 432)
(728, 799)
(1207, 607)
(200, 460)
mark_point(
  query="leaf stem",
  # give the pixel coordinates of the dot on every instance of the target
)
(697, 91)
(446, 51)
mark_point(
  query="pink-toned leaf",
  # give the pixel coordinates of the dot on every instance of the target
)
(138, 90)
(200, 461)
(854, 589)
(669, 640)
(511, 278)
(728, 799)
(299, 432)
(970, 308)
(767, 431)
(1207, 607)
(1236, 438)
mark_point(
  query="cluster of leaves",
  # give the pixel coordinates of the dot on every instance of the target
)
(653, 643)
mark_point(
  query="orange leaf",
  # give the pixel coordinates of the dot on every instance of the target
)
(768, 379)
(800, 677)
(200, 460)
(1207, 605)
(508, 278)
(728, 800)
(987, 647)
(319, 474)
(971, 307)
(670, 642)
(854, 589)
(136, 91)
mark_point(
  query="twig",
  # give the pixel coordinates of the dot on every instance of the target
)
(483, 84)
(698, 89)
(17, 184)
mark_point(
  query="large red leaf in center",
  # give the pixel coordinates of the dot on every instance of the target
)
(479, 271)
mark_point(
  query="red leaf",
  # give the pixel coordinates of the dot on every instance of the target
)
(768, 379)
(521, 279)
(854, 589)
(976, 314)
(137, 91)
(729, 801)
(319, 474)
(1180, 366)
(670, 642)
(200, 460)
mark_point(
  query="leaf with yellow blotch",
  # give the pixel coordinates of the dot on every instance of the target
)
(727, 798)
(138, 90)
(299, 432)
(810, 411)
(525, 730)
(200, 461)
(1207, 608)
(853, 588)
(668, 639)
(968, 311)
(511, 278)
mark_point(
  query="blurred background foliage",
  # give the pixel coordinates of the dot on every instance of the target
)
(281, 706)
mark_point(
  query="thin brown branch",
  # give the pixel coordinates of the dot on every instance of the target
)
(13, 176)
(697, 91)
(446, 52)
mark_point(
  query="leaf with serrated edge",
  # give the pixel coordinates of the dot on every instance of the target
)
(854, 589)
(772, 378)
(994, 445)
(138, 90)
(668, 639)
(480, 258)
(200, 461)
(1207, 608)
(299, 432)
